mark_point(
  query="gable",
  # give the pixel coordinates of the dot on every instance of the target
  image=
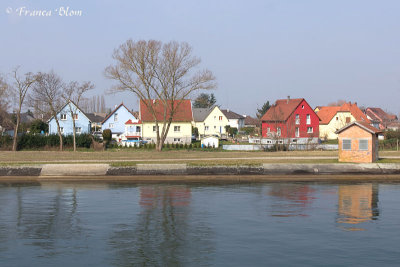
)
(282, 109)
(121, 108)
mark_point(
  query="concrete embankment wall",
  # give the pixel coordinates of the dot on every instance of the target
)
(93, 170)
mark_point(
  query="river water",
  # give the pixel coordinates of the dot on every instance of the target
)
(270, 224)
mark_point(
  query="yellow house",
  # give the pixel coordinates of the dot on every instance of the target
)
(180, 131)
(334, 118)
(210, 121)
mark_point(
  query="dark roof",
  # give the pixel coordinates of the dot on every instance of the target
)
(94, 117)
(230, 115)
(282, 109)
(362, 124)
(200, 114)
(109, 115)
(183, 110)
(251, 121)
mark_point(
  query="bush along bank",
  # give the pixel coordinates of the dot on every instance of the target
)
(39, 141)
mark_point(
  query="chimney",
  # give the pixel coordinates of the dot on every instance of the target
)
(227, 110)
(288, 99)
(355, 103)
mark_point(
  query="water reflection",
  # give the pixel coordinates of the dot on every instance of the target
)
(163, 231)
(290, 199)
(357, 204)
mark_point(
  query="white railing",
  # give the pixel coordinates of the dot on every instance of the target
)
(133, 134)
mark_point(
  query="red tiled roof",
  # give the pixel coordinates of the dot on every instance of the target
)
(131, 122)
(281, 110)
(327, 113)
(379, 114)
(122, 104)
(361, 124)
(183, 110)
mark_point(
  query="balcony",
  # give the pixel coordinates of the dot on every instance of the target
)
(127, 134)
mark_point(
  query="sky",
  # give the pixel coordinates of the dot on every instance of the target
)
(322, 51)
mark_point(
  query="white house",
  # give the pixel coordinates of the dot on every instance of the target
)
(234, 120)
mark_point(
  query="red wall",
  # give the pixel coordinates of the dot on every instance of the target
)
(288, 127)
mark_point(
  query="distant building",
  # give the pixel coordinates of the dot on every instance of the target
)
(335, 117)
(115, 121)
(251, 122)
(180, 130)
(210, 121)
(96, 119)
(291, 119)
(358, 142)
(82, 122)
(234, 120)
(379, 118)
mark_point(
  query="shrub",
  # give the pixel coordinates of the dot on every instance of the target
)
(107, 135)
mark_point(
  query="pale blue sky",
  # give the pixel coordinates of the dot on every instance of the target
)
(259, 50)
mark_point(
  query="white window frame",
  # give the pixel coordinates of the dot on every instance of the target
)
(278, 131)
(177, 139)
(177, 129)
(206, 128)
(297, 132)
(155, 129)
(116, 116)
(359, 145)
(343, 144)
(111, 125)
(78, 130)
(63, 116)
(138, 129)
(310, 129)
(297, 118)
(61, 130)
(308, 121)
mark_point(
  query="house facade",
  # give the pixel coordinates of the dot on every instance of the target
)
(291, 119)
(336, 117)
(234, 120)
(133, 133)
(82, 122)
(358, 142)
(115, 121)
(210, 121)
(180, 131)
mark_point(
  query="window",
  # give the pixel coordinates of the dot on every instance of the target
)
(154, 128)
(362, 144)
(177, 139)
(111, 125)
(337, 118)
(138, 129)
(75, 116)
(302, 106)
(347, 119)
(62, 130)
(116, 117)
(78, 130)
(346, 144)
(269, 142)
(297, 133)
(63, 117)
(215, 127)
(177, 128)
(206, 128)
(308, 119)
(268, 130)
(220, 118)
(309, 129)
(297, 119)
(278, 131)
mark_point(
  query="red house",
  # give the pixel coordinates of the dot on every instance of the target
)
(290, 118)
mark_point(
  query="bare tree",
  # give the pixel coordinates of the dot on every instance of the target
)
(162, 72)
(19, 87)
(47, 92)
(73, 93)
(4, 104)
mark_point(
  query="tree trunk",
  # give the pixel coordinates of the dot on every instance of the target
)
(74, 133)
(59, 134)
(14, 148)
